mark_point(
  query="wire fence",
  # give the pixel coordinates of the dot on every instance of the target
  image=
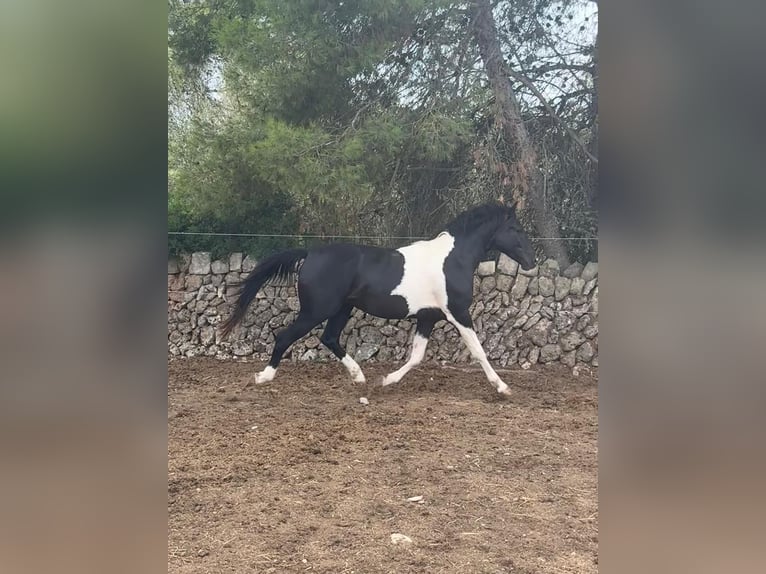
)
(219, 243)
(315, 236)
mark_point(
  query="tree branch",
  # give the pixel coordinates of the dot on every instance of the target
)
(528, 83)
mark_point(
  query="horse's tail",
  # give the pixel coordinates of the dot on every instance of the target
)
(281, 265)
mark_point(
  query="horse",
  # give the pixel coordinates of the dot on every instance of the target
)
(429, 281)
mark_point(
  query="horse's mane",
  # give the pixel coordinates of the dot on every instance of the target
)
(488, 214)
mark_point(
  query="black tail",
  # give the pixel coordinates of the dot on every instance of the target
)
(280, 265)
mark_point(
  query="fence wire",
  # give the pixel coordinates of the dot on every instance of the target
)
(311, 236)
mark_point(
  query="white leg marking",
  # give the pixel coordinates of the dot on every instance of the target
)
(419, 344)
(471, 341)
(265, 375)
(353, 368)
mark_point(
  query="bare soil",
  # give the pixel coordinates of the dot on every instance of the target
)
(298, 476)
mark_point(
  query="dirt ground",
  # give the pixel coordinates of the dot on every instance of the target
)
(298, 476)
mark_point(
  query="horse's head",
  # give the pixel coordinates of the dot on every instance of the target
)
(511, 239)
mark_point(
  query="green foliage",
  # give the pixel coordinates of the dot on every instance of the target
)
(352, 118)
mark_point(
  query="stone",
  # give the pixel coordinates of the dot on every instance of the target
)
(207, 335)
(535, 304)
(550, 353)
(519, 288)
(571, 341)
(397, 538)
(486, 268)
(248, 264)
(561, 288)
(241, 348)
(577, 285)
(585, 352)
(235, 262)
(584, 321)
(364, 401)
(193, 282)
(529, 272)
(487, 285)
(506, 265)
(184, 260)
(546, 286)
(534, 355)
(580, 310)
(562, 322)
(371, 334)
(366, 351)
(200, 263)
(525, 303)
(309, 355)
(534, 286)
(574, 270)
(219, 267)
(538, 335)
(549, 268)
(532, 321)
(312, 342)
(387, 330)
(590, 331)
(173, 267)
(503, 283)
(589, 286)
(568, 359)
(590, 272)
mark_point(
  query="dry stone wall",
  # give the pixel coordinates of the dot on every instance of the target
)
(545, 315)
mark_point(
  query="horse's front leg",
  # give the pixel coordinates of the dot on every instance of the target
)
(427, 318)
(462, 321)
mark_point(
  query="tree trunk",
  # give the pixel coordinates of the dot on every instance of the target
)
(527, 174)
(593, 195)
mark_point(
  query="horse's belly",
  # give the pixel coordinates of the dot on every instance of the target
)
(385, 306)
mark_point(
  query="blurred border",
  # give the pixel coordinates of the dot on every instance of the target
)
(83, 255)
(683, 276)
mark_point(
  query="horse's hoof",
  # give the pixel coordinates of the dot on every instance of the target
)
(265, 376)
(505, 391)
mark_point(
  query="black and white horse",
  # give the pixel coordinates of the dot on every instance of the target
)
(428, 280)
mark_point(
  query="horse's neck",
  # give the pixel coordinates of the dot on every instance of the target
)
(471, 249)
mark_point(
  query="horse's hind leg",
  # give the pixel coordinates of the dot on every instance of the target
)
(426, 321)
(331, 339)
(286, 337)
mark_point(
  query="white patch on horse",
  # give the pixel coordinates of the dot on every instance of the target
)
(353, 368)
(419, 344)
(265, 375)
(423, 283)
